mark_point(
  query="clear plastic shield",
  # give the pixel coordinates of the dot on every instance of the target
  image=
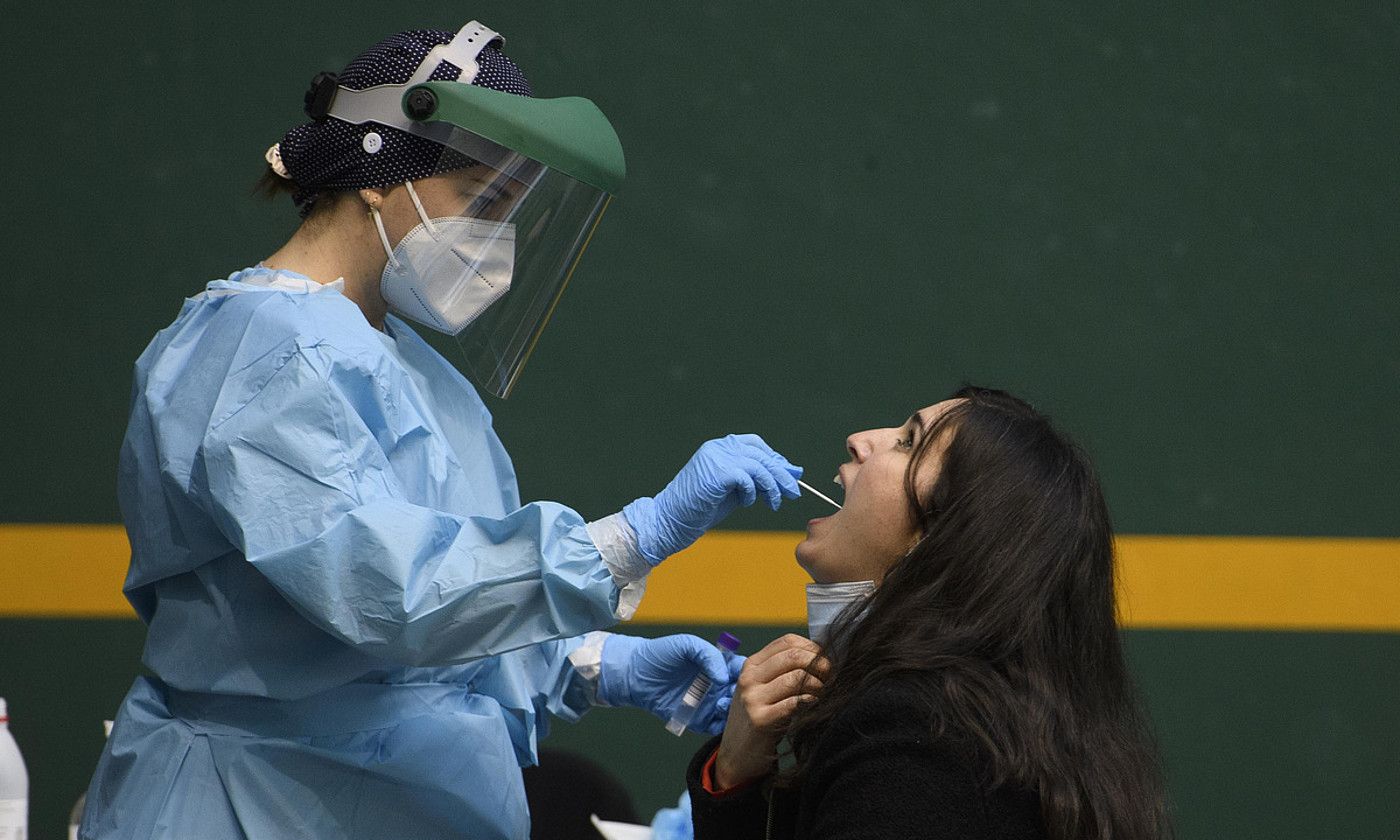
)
(505, 202)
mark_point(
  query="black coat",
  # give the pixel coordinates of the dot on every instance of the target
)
(875, 772)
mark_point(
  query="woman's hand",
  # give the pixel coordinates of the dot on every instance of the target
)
(774, 681)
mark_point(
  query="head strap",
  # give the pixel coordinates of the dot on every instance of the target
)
(383, 103)
(462, 51)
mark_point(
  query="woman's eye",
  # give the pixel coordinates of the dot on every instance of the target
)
(493, 204)
(906, 442)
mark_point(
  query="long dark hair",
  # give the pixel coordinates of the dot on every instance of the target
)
(1004, 611)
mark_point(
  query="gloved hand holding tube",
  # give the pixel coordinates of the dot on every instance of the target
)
(723, 475)
(654, 675)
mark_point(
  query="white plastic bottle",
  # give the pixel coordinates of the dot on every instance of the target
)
(14, 783)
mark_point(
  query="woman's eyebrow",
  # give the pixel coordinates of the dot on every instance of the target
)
(505, 191)
(917, 418)
(491, 192)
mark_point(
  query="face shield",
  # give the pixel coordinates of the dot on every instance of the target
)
(523, 184)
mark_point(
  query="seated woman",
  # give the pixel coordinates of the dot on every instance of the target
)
(980, 691)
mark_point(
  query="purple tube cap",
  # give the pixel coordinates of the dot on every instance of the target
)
(728, 641)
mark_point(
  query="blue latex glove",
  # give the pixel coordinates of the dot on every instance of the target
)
(654, 674)
(674, 823)
(724, 474)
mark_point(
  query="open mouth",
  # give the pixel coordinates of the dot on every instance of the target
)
(840, 481)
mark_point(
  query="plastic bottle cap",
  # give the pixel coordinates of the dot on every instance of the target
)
(4, 711)
(728, 641)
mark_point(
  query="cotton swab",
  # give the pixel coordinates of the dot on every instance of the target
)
(815, 492)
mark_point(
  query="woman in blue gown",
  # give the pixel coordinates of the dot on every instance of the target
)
(356, 629)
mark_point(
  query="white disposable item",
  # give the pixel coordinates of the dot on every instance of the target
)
(610, 830)
(448, 270)
(819, 494)
(690, 702)
(14, 784)
(685, 712)
(825, 601)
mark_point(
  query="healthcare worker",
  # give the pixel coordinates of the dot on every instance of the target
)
(355, 629)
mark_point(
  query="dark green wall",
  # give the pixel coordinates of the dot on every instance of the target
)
(1171, 225)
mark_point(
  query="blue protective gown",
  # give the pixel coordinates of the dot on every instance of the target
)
(354, 626)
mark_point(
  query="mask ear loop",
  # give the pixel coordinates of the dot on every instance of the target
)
(422, 214)
(383, 237)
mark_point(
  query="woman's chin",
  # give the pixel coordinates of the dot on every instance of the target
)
(808, 554)
(803, 553)
(809, 550)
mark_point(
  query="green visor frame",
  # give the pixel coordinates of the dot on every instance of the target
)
(568, 134)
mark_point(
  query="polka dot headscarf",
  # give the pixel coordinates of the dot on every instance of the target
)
(329, 155)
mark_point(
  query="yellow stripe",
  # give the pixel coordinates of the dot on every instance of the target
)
(749, 577)
(1249, 583)
(63, 571)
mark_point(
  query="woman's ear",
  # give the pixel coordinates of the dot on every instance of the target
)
(372, 197)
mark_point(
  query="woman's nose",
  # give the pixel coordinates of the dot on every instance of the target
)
(858, 445)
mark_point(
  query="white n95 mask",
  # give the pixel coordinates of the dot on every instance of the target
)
(447, 271)
(825, 601)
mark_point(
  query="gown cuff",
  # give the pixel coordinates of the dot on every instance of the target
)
(587, 660)
(617, 543)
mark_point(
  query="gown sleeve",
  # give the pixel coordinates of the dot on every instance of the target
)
(297, 477)
(531, 685)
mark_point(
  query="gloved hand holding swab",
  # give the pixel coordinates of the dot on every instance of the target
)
(815, 492)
